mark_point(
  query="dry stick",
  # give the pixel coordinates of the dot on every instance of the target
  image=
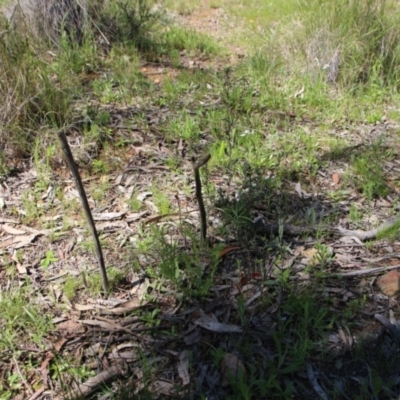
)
(85, 204)
(93, 383)
(273, 229)
(393, 330)
(369, 271)
(180, 219)
(371, 234)
(199, 195)
(22, 377)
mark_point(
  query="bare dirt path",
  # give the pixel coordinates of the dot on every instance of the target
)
(217, 23)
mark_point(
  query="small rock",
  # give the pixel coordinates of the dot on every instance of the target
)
(389, 249)
(232, 369)
(70, 327)
(363, 283)
(389, 284)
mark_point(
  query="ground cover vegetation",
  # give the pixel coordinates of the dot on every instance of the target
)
(289, 288)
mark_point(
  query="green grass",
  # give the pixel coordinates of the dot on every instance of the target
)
(190, 41)
(280, 119)
(20, 317)
(320, 27)
(24, 322)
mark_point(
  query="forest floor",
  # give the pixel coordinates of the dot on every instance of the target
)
(284, 299)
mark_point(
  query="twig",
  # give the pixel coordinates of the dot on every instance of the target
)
(371, 234)
(22, 377)
(85, 204)
(273, 229)
(314, 382)
(85, 389)
(199, 195)
(370, 271)
(180, 219)
(37, 394)
(100, 358)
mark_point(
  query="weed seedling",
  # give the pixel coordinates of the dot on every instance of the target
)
(324, 255)
(49, 259)
(150, 318)
(99, 167)
(161, 201)
(70, 286)
(354, 214)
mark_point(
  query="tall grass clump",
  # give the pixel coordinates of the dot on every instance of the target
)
(128, 22)
(349, 43)
(356, 42)
(32, 94)
(46, 47)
